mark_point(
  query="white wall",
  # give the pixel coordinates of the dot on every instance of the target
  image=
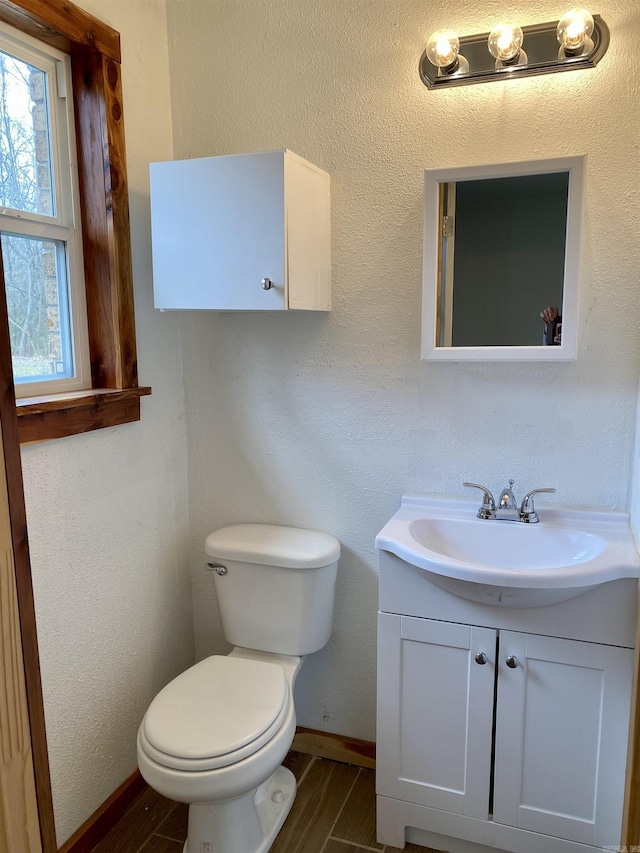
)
(325, 421)
(108, 512)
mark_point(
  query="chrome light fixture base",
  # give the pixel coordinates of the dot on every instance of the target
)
(541, 46)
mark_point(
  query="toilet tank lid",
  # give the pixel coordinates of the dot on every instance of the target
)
(272, 545)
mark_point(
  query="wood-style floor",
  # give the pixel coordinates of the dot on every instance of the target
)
(334, 812)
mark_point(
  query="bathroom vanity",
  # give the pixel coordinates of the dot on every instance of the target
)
(503, 720)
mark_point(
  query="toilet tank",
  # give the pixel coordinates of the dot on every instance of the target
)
(278, 589)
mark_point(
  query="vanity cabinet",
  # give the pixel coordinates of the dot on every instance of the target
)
(560, 726)
(514, 740)
(243, 232)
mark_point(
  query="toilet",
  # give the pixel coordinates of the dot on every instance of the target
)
(215, 737)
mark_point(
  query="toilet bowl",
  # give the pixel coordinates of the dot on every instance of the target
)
(215, 737)
(240, 796)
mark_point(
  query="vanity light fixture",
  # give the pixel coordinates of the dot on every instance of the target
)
(577, 40)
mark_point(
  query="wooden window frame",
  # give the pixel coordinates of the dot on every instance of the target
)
(114, 396)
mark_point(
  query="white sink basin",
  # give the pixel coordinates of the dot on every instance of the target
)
(509, 563)
(506, 544)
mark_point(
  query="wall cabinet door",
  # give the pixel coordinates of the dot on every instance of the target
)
(222, 225)
(561, 737)
(435, 713)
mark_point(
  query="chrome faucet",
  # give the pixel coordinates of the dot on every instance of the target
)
(507, 509)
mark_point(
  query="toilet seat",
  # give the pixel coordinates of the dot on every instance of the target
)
(216, 713)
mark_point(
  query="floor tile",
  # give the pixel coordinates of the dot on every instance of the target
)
(175, 824)
(142, 819)
(157, 844)
(357, 821)
(335, 846)
(319, 801)
(297, 762)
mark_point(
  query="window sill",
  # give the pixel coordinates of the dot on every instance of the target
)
(59, 415)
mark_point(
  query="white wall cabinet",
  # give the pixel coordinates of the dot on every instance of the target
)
(492, 738)
(245, 232)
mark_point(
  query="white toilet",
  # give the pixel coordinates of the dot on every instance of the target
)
(216, 735)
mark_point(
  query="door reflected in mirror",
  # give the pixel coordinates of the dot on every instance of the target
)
(501, 260)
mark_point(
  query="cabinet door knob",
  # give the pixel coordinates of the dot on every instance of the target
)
(480, 658)
(512, 662)
(267, 284)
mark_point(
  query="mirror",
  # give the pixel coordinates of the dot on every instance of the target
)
(501, 248)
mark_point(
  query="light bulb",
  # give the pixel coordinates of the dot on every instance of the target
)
(574, 32)
(505, 43)
(442, 48)
(443, 51)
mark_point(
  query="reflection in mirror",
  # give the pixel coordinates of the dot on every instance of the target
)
(501, 258)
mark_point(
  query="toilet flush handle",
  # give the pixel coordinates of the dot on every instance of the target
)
(216, 567)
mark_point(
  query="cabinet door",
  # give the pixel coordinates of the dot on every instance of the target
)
(561, 737)
(435, 713)
(218, 229)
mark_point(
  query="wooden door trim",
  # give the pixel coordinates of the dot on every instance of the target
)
(22, 567)
(631, 813)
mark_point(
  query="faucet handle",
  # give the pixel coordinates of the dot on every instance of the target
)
(488, 508)
(528, 512)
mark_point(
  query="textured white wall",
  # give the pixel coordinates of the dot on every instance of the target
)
(107, 511)
(325, 421)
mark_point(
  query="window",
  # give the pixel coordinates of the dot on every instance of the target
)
(39, 211)
(111, 395)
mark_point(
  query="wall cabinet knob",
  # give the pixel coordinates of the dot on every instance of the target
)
(480, 658)
(512, 662)
(267, 284)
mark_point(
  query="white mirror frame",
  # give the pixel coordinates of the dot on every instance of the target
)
(567, 351)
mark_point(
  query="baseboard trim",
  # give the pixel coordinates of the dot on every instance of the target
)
(336, 747)
(94, 829)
